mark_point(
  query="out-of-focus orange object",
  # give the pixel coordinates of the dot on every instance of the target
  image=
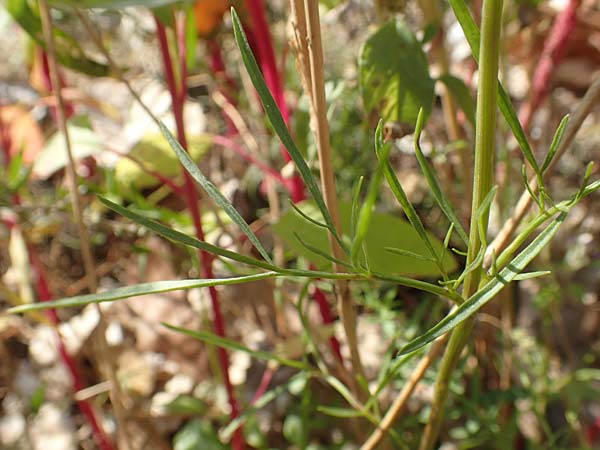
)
(23, 132)
(209, 14)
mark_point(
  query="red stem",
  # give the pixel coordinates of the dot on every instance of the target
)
(44, 294)
(193, 205)
(86, 408)
(552, 54)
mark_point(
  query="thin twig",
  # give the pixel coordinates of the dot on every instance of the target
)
(399, 403)
(76, 203)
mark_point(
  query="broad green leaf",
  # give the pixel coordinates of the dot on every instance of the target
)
(489, 290)
(213, 339)
(471, 31)
(68, 51)
(277, 121)
(433, 183)
(213, 192)
(394, 74)
(460, 92)
(155, 154)
(138, 290)
(384, 231)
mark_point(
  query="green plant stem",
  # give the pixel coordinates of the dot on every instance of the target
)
(482, 184)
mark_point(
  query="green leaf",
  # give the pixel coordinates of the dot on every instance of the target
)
(213, 339)
(489, 290)
(463, 15)
(183, 238)
(365, 214)
(213, 191)
(277, 121)
(138, 290)
(556, 140)
(343, 413)
(68, 51)
(198, 434)
(433, 183)
(460, 92)
(383, 154)
(384, 231)
(394, 74)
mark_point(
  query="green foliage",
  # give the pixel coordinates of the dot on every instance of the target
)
(197, 434)
(394, 74)
(384, 231)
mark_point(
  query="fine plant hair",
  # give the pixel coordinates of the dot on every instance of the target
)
(480, 282)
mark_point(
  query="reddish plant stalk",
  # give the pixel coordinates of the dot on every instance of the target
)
(192, 200)
(44, 294)
(85, 407)
(553, 52)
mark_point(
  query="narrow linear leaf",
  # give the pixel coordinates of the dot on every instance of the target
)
(354, 210)
(473, 35)
(183, 238)
(366, 211)
(213, 339)
(277, 121)
(530, 275)
(433, 183)
(556, 140)
(342, 413)
(383, 155)
(399, 251)
(418, 284)
(461, 93)
(306, 216)
(138, 290)
(212, 191)
(489, 290)
(318, 251)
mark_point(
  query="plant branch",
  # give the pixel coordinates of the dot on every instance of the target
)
(485, 135)
(584, 107)
(399, 403)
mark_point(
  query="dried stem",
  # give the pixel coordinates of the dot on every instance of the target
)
(319, 110)
(104, 355)
(399, 403)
